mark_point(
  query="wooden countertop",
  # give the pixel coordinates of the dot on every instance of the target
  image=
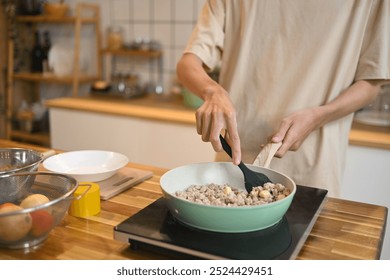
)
(370, 136)
(149, 107)
(173, 110)
(343, 230)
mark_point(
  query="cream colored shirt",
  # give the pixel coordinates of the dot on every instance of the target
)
(278, 57)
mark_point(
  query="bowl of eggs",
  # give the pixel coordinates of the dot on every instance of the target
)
(37, 202)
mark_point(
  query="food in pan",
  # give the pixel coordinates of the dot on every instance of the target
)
(226, 195)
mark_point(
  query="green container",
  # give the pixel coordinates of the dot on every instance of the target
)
(190, 99)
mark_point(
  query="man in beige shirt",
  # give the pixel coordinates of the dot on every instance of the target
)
(291, 72)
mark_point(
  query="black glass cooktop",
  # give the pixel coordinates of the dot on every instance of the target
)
(154, 228)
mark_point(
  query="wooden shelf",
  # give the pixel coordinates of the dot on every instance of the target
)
(129, 52)
(41, 138)
(51, 19)
(84, 13)
(51, 78)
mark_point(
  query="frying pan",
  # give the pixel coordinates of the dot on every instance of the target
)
(221, 218)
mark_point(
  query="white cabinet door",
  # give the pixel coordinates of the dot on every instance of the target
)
(367, 179)
(161, 144)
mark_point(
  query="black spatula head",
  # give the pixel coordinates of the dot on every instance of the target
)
(251, 178)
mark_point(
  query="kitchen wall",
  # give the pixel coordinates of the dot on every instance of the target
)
(170, 22)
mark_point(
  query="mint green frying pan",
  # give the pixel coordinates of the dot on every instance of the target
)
(219, 218)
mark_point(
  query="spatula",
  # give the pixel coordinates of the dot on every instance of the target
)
(251, 178)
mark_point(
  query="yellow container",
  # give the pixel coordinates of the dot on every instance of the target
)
(87, 200)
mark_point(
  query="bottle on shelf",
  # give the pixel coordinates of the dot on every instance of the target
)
(37, 55)
(46, 48)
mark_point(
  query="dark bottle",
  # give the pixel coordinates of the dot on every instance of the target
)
(37, 55)
(46, 48)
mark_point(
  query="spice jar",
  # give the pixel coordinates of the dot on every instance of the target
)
(114, 37)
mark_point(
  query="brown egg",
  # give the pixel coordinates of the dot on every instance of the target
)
(16, 226)
(34, 200)
(42, 222)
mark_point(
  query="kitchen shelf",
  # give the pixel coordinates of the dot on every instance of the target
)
(51, 19)
(84, 13)
(151, 55)
(130, 52)
(51, 78)
(39, 138)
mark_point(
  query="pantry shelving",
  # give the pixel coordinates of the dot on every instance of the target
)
(84, 14)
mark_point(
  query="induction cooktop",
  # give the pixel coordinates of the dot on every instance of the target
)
(155, 229)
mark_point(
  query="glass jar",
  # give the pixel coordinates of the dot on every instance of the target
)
(114, 37)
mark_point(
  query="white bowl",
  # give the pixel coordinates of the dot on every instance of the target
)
(87, 165)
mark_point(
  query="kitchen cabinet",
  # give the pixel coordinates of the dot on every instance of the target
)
(162, 134)
(367, 179)
(84, 14)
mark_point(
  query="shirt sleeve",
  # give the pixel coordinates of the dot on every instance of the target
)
(374, 62)
(207, 38)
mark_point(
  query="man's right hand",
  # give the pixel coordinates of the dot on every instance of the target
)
(216, 115)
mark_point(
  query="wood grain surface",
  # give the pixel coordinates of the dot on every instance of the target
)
(344, 229)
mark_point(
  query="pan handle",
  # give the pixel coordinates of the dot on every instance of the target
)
(81, 195)
(266, 154)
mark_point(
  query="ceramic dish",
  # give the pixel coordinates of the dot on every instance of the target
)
(220, 218)
(87, 165)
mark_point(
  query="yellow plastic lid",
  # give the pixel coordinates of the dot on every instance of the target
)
(87, 200)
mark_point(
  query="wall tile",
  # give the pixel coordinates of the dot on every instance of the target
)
(184, 10)
(162, 32)
(142, 10)
(169, 63)
(176, 55)
(142, 30)
(162, 10)
(182, 34)
(121, 10)
(168, 21)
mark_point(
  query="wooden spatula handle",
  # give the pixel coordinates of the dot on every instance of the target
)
(266, 154)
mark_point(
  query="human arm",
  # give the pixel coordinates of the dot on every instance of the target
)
(295, 128)
(217, 112)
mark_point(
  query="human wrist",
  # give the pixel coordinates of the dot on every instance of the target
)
(212, 91)
(323, 115)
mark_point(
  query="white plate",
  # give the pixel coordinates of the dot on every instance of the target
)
(87, 165)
